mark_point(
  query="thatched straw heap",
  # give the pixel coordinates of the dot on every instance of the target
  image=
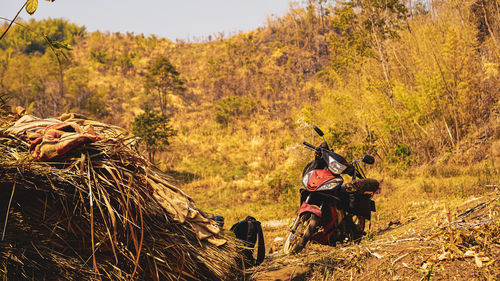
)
(100, 212)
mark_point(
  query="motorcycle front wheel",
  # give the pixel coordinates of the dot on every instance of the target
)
(301, 233)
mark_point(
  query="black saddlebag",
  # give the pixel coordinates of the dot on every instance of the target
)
(361, 205)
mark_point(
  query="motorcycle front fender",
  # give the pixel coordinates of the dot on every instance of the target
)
(305, 207)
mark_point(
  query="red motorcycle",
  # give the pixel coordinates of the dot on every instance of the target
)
(330, 211)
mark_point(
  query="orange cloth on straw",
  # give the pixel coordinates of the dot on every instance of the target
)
(59, 139)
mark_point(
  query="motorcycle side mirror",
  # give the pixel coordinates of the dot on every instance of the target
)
(318, 130)
(368, 159)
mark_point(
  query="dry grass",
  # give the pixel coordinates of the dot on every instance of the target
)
(448, 242)
(98, 214)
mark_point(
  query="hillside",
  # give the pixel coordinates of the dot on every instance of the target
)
(414, 83)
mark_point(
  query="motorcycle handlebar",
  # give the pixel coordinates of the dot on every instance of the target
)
(309, 146)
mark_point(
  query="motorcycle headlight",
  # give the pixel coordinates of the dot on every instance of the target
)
(335, 166)
(334, 184)
(305, 179)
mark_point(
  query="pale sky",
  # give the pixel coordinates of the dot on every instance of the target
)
(171, 19)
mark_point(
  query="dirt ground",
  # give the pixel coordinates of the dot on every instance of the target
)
(442, 244)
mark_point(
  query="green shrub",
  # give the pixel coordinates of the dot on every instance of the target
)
(154, 130)
(233, 107)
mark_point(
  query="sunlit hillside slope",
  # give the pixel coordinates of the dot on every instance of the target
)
(415, 83)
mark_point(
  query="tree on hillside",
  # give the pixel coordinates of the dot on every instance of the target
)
(367, 24)
(163, 79)
(33, 39)
(154, 130)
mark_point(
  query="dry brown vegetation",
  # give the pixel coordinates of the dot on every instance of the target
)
(100, 212)
(444, 241)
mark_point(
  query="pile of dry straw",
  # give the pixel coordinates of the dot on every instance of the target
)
(101, 212)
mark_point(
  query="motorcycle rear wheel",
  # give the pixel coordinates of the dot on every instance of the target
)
(301, 234)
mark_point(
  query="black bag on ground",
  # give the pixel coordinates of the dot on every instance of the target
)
(249, 230)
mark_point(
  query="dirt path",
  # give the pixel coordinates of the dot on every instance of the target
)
(438, 245)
